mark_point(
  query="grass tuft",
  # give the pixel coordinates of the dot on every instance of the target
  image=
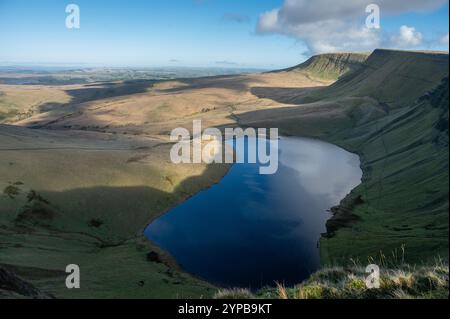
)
(236, 293)
(401, 282)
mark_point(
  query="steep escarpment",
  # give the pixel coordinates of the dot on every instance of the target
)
(393, 78)
(393, 112)
(403, 200)
(438, 99)
(331, 66)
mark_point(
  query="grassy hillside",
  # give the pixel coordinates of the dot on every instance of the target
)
(392, 112)
(393, 78)
(404, 196)
(18, 102)
(331, 66)
(71, 197)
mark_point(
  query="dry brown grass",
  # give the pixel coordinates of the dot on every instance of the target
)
(176, 103)
(19, 101)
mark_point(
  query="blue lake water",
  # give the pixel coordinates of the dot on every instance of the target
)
(252, 230)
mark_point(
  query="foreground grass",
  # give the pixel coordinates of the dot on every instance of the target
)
(402, 282)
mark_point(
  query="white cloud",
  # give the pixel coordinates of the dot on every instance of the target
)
(330, 25)
(268, 21)
(408, 37)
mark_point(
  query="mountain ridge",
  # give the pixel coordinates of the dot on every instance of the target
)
(391, 76)
(330, 66)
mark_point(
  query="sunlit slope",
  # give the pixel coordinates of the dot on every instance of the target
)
(331, 66)
(394, 78)
(159, 108)
(19, 102)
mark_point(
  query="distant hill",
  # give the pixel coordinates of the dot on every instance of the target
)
(331, 66)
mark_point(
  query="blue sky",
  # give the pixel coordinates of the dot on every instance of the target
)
(221, 33)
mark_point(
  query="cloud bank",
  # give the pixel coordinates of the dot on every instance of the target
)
(408, 37)
(326, 26)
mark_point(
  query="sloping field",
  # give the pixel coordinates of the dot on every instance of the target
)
(19, 102)
(164, 106)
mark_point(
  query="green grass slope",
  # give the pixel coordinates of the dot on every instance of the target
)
(403, 199)
(71, 197)
(331, 66)
(396, 78)
(393, 112)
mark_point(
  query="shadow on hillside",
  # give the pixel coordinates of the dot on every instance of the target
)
(308, 120)
(88, 225)
(98, 91)
(88, 93)
(93, 92)
(119, 213)
(283, 94)
(236, 83)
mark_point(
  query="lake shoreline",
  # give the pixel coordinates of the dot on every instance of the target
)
(180, 265)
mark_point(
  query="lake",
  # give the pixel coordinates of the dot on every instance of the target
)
(253, 230)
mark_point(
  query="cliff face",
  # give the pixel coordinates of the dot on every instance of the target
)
(331, 66)
(392, 77)
(439, 100)
(403, 200)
